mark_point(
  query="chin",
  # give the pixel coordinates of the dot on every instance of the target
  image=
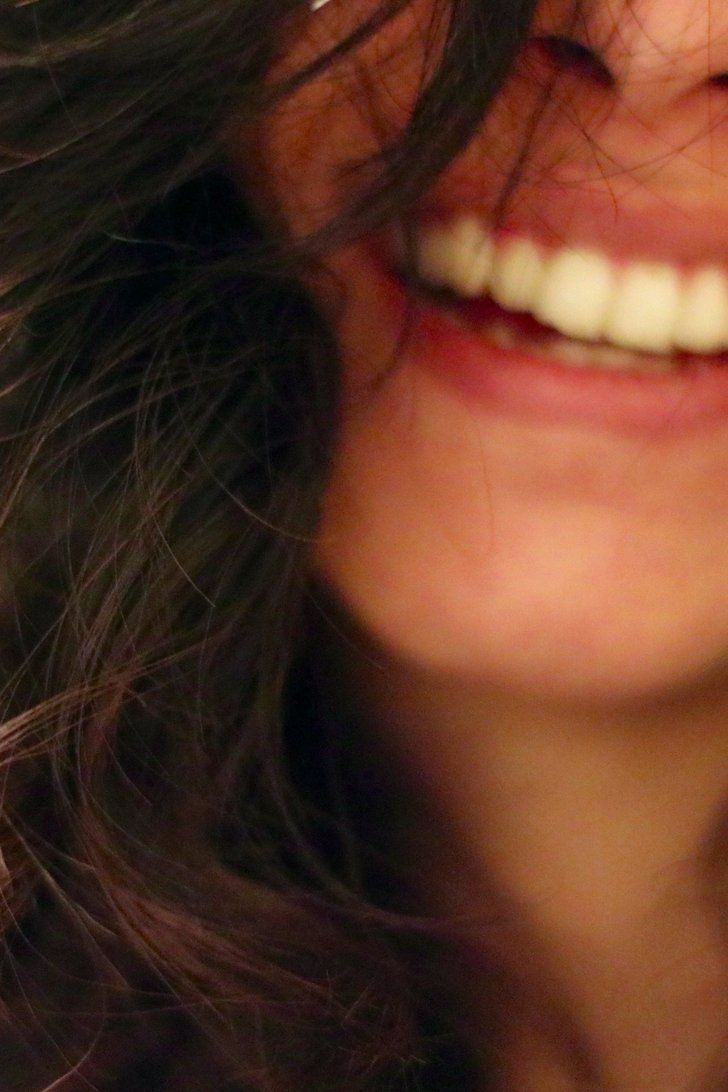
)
(567, 630)
(571, 550)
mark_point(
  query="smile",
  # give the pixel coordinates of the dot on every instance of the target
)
(641, 308)
(557, 334)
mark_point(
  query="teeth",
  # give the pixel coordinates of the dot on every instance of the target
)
(702, 317)
(644, 309)
(459, 256)
(576, 294)
(606, 357)
(518, 269)
(650, 307)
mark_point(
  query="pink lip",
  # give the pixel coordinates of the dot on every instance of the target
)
(522, 384)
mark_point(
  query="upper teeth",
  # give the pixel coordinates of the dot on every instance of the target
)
(643, 305)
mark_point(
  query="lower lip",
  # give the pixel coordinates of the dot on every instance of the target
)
(519, 382)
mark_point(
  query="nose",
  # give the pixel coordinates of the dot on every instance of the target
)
(658, 54)
(643, 86)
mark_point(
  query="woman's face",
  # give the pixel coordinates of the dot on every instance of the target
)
(506, 508)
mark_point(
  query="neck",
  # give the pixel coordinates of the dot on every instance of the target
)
(599, 830)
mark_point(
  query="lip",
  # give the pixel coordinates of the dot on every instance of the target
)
(520, 383)
(627, 222)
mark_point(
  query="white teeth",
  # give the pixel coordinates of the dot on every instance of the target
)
(650, 307)
(457, 256)
(518, 268)
(476, 257)
(576, 293)
(702, 317)
(644, 308)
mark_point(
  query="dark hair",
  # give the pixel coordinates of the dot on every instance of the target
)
(179, 909)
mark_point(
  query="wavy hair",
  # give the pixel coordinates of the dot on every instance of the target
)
(179, 908)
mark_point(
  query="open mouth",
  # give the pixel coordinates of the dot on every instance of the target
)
(575, 305)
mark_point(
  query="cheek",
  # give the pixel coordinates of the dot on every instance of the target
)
(311, 146)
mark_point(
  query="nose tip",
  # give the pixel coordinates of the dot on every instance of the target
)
(636, 88)
(652, 51)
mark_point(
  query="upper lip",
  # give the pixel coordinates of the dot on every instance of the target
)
(626, 220)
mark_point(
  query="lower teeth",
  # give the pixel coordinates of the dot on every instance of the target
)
(567, 351)
(581, 354)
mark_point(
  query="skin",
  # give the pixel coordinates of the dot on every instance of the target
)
(540, 610)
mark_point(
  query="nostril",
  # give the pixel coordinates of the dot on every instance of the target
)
(720, 81)
(568, 54)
